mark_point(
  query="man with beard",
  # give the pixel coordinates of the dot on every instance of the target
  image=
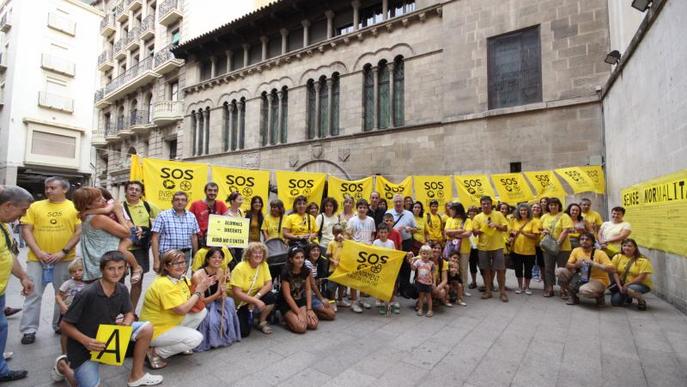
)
(202, 209)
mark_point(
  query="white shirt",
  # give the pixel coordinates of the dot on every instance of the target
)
(361, 230)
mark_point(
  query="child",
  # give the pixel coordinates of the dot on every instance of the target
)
(362, 229)
(455, 280)
(384, 241)
(295, 303)
(424, 280)
(67, 291)
(394, 235)
(334, 255)
(317, 266)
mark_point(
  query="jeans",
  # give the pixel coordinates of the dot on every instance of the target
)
(619, 299)
(30, 319)
(550, 262)
(4, 369)
(181, 338)
(88, 374)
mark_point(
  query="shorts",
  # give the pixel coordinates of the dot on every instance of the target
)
(422, 288)
(316, 303)
(492, 260)
(284, 307)
(455, 280)
(143, 258)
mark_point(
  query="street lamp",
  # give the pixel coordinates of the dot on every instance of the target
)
(641, 5)
(613, 57)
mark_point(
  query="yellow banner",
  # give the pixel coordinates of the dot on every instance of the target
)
(293, 184)
(163, 178)
(372, 270)
(577, 179)
(597, 176)
(387, 189)
(248, 182)
(472, 187)
(227, 231)
(657, 211)
(512, 188)
(116, 339)
(546, 184)
(428, 188)
(357, 189)
(136, 171)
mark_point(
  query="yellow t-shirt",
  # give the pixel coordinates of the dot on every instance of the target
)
(139, 214)
(334, 249)
(271, 226)
(199, 258)
(435, 227)
(299, 224)
(490, 239)
(5, 259)
(244, 275)
(444, 269)
(419, 234)
(565, 221)
(642, 265)
(162, 296)
(523, 245)
(53, 224)
(455, 224)
(599, 257)
(593, 217)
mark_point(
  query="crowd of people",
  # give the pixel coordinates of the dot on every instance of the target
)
(210, 297)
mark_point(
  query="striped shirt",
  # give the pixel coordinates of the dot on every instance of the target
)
(175, 230)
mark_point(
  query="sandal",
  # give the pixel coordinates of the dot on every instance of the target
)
(136, 275)
(264, 328)
(154, 360)
(419, 313)
(146, 380)
(55, 373)
(503, 297)
(548, 293)
(429, 314)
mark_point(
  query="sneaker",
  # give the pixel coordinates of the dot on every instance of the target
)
(381, 308)
(366, 305)
(461, 303)
(14, 375)
(146, 380)
(396, 308)
(7, 355)
(28, 338)
(356, 307)
(343, 304)
(467, 294)
(528, 292)
(641, 305)
(518, 291)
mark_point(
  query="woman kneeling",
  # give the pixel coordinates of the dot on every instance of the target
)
(295, 303)
(632, 276)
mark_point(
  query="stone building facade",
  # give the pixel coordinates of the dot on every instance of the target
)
(399, 87)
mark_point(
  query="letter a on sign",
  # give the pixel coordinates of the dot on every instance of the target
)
(116, 339)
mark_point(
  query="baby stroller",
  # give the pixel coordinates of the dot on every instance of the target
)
(276, 258)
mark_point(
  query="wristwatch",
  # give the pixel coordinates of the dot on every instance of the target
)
(66, 251)
(199, 294)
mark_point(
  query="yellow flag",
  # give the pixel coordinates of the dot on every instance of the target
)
(387, 189)
(163, 178)
(596, 175)
(472, 187)
(577, 179)
(372, 270)
(116, 339)
(545, 184)
(428, 188)
(136, 171)
(512, 188)
(357, 189)
(248, 182)
(293, 184)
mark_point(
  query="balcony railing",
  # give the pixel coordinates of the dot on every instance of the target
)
(170, 12)
(105, 56)
(99, 94)
(5, 23)
(165, 60)
(133, 4)
(132, 38)
(55, 102)
(134, 71)
(167, 111)
(147, 27)
(121, 12)
(107, 25)
(119, 45)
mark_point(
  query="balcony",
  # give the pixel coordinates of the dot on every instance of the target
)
(105, 62)
(133, 5)
(107, 25)
(132, 42)
(111, 131)
(170, 12)
(147, 28)
(133, 78)
(118, 48)
(140, 122)
(123, 129)
(165, 61)
(55, 102)
(5, 23)
(59, 65)
(121, 13)
(166, 112)
(3, 62)
(98, 138)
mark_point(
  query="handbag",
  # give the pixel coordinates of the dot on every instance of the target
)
(549, 244)
(613, 288)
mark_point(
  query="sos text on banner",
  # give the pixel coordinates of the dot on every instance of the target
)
(428, 188)
(247, 182)
(577, 179)
(163, 178)
(546, 184)
(387, 189)
(512, 188)
(227, 231)
(293, 184)
(357, 189)
(116, 339)
(372, 270)
(596, 175)
(472, 187)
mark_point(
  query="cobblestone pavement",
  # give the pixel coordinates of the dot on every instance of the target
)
(529, 341)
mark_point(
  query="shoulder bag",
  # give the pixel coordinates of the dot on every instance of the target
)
(549, 244)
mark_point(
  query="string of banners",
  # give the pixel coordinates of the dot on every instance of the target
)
(163, 178)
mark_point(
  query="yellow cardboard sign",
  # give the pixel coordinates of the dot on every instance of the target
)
(136, 171)
(387, 189)
(657, 211)
(293, 184)
(247, 182)
(163, 178)
(372, 270)
(227, 231)
(357, 189)
(577, 179)
(116, 339)
(597, 176)
(428, 188)
(512, 188)
(546, 184)
(472, 187)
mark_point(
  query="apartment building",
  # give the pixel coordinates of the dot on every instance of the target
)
(139, 101)
(46, 83)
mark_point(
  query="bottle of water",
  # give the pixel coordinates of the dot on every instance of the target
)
(585, 271)
(48, 271)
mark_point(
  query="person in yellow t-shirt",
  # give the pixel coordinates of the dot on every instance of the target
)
(458, 228)
(490, 226)
(559, 225)
(420, 235)
(272, 226)
(167, 305)
(300, 227)
(434, 223)
(592, 217)
(586, 264)
(524, 234)
(333, 254)
(51, 229)
(632, 275)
